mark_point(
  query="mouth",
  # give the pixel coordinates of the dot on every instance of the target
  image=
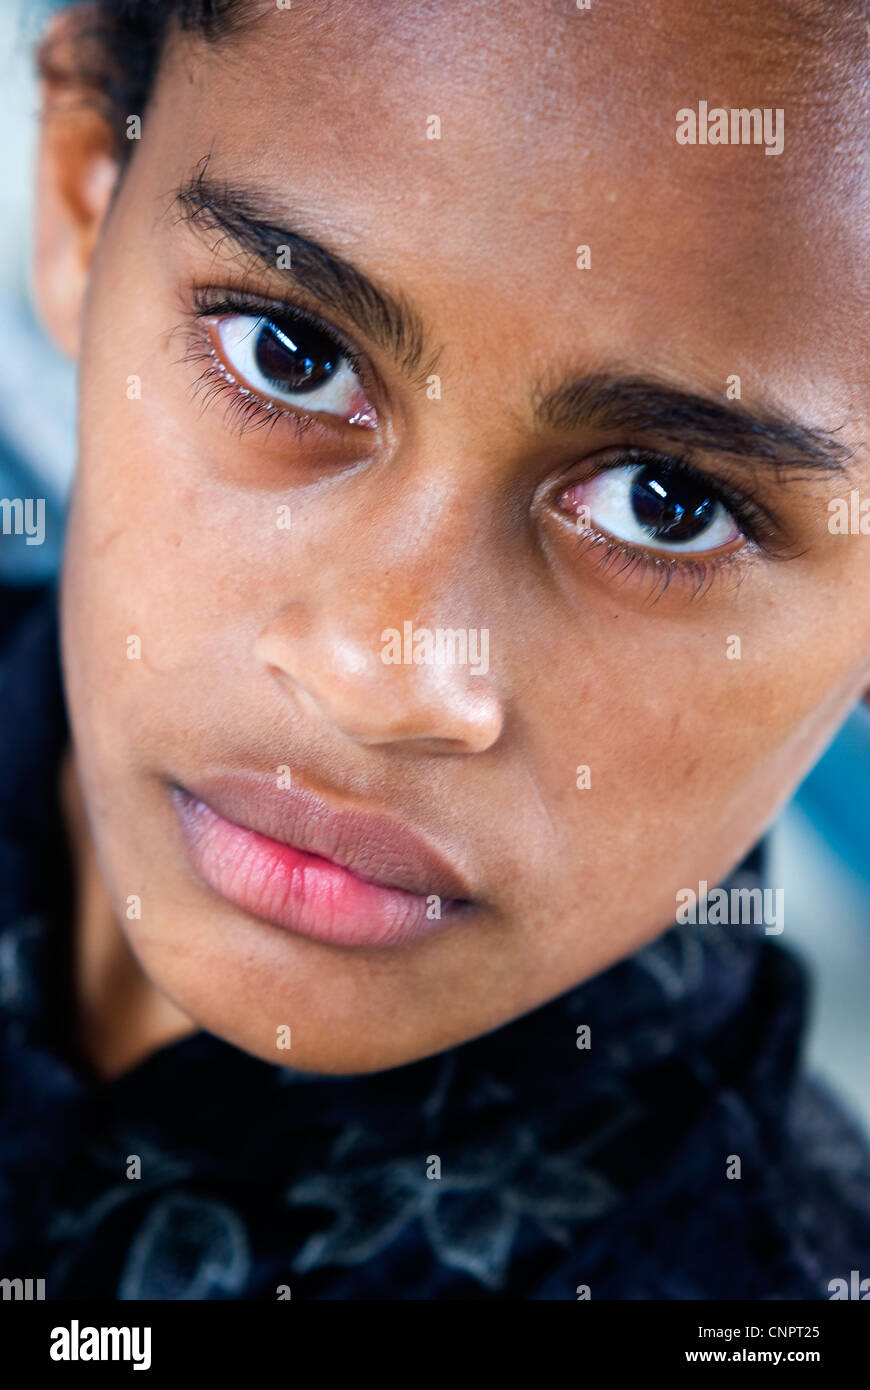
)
(347, 878)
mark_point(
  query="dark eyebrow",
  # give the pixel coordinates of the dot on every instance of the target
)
(246, 218)
(611, 401)
(607, 400)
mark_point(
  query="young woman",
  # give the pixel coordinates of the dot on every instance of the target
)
(449, 598)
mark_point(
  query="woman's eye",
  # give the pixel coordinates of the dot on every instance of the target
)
(653, 505)
(294, 363)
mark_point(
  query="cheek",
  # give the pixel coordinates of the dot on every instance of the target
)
(662, 770)
(153, 551)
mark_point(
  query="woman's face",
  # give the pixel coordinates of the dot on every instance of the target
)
(647, 583)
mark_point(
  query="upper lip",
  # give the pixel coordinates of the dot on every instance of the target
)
(371, 845)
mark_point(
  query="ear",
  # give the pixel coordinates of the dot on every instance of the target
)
(78, 168)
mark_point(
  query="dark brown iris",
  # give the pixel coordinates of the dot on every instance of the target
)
(295, 356)
(671, 505)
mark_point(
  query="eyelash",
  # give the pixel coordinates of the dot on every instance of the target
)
(697, 572)
(245, 410)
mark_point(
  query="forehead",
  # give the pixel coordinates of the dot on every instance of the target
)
(556, 128)
(556, 85)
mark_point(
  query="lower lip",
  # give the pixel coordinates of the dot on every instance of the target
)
(301, 892)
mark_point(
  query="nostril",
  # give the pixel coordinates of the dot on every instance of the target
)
(339, 682)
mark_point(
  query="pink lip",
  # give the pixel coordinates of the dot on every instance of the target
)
(348, 878)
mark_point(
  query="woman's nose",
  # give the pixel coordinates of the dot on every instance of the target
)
(379, 679)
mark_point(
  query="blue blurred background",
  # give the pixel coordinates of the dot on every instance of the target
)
(821, 844)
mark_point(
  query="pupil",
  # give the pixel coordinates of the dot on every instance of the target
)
(670, 505)
(295, 356)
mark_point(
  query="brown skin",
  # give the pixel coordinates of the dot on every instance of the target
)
(705, 262)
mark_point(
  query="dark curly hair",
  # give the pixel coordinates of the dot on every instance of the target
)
(119, 43)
